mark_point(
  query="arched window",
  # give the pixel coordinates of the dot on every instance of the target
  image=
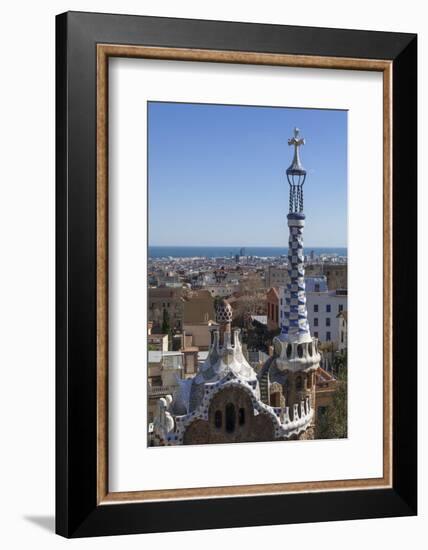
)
(241, 416)
(299, 383)
(275, 399)
(218, 419)
(289, 348)
(300, 350)
(230, 417)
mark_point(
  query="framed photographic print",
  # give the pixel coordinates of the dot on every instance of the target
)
(236, 274)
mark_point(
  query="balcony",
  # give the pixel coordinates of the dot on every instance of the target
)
(160, 391)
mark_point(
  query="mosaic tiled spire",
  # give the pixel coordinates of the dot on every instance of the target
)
(294, 322)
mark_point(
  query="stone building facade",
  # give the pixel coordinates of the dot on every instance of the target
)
(336, 274)
(272, 303)
(198, 315)
(276, 276)
(165, 299)
(222, 403)
(323, 307)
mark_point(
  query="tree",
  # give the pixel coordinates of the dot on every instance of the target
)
(247, 305)
(340, 362)
(166, 326)
(328, 350)
(333, 424)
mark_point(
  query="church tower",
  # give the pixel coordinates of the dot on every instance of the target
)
(296, 351)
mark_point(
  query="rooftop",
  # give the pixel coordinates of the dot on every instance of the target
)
(316, 284)
(156, 356)
(262, 319)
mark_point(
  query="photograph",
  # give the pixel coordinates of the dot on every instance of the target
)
(197, 195)
(247, 298)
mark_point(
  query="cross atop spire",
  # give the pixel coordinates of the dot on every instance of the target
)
(296, 140)
(296, 166)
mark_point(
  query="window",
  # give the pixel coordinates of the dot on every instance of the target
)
(316, 334)
(241, 416)
(218, 420)
(340, 308)
(190, 364)
(341, 336)
(275, 399)
(230, 417)
(321, 411)
(315, 308)
(328, 336)
(315, 321)
(299, 383)
(156, 381)
(328, 308)
(327, 321)
(317, 287)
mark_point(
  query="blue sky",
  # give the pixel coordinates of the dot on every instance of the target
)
(217, 174)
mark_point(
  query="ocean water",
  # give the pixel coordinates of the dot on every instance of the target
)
(227, 251)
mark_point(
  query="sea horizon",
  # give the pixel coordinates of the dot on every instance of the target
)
(212, 251)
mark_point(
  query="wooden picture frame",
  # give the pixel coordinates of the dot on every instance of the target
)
(85, 42)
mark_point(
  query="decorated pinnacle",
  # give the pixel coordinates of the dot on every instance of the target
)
(223, 312)
(296, 166)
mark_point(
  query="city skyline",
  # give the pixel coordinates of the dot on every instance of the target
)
(217, 175)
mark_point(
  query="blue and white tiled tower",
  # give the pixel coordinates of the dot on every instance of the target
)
(294, 320)
(295, 348)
